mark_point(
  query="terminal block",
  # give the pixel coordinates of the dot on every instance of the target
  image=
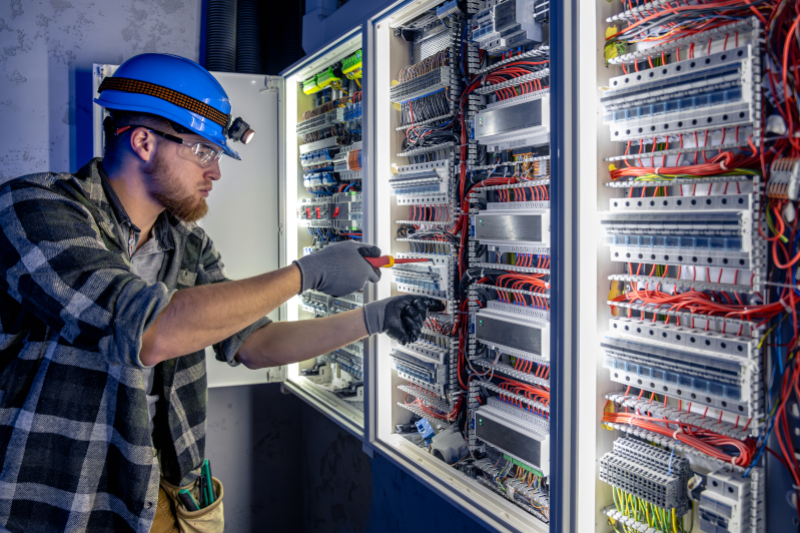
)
(348, 362)
(314, 209)
(507, 24)
(352, 64)
(422, 183)
(648, 472)
(324, 305)
(316, 302)
(423, 85)
(720, 90)
(432, 278)
(784, 181)
(318, 123)
(709, 239)
(698, 376)
(318, 157)
(313, 180)
(417, 368)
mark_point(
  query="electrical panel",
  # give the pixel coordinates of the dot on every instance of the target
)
(424, 98)
(508, 265)
(697, 225)
(329, 206)
(469, 180)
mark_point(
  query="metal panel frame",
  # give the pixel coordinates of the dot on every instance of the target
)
(564, 270)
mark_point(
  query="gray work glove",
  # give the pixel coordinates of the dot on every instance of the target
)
(339, 269)
(400, 317)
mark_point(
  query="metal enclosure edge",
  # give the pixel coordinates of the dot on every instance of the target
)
(370, 174)
(563, 104)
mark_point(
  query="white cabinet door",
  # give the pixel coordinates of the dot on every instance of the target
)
(243, 210)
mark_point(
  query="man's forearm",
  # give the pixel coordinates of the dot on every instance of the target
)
(201, 316)
(282, 343)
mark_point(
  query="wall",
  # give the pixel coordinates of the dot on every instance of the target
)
(47, 48)
(254, 443)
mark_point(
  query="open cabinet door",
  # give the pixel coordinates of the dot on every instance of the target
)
(243, 218)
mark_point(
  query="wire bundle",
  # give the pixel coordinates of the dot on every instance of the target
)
(429, 64)
(647, 513)
(710, 443)
(532, 193)
(425, 108)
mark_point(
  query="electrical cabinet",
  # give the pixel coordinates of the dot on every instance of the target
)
(679, 178)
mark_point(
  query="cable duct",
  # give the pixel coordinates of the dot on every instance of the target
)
(221, 35)
(249, 46)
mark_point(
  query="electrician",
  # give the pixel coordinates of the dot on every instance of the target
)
(109, 295)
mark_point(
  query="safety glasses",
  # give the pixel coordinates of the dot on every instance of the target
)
(201, 153)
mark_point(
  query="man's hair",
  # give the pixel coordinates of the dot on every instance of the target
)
(119, 119)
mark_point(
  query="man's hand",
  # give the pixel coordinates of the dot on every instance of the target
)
(339, 269)
(400, 317)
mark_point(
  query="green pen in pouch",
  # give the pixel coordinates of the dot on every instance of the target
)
(209, 482)
(188, 501)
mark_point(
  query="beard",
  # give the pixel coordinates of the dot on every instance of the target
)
(169, 193)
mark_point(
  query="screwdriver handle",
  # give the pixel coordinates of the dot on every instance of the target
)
(387, 261)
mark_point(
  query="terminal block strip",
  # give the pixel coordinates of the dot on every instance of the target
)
(687, 374)
(658, 410)
(649, 473)
(430, 398)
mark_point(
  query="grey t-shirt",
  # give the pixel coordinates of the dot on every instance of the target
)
(146, 263)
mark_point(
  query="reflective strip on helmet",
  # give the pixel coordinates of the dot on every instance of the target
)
(128, 85)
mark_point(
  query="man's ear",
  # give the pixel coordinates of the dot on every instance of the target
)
(143, 143)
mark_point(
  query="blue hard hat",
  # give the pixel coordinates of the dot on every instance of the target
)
(176, 89)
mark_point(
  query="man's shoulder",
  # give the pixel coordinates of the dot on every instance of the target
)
(74, 185)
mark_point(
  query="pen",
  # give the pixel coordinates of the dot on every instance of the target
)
(187, 500)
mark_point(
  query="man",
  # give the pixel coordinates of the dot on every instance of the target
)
(109, 294)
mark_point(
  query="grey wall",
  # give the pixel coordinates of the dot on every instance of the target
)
(47, 48)
(254, 444)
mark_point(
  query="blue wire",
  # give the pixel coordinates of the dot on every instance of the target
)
(770, 423)
(794, 271)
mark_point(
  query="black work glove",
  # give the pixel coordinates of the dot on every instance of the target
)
(339, 269)
(400, 317)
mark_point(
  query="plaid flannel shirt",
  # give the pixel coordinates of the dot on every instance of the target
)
(75, 449)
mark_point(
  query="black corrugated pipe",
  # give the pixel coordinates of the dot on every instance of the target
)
(221, 35)
(249, 57)
(287, 46)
